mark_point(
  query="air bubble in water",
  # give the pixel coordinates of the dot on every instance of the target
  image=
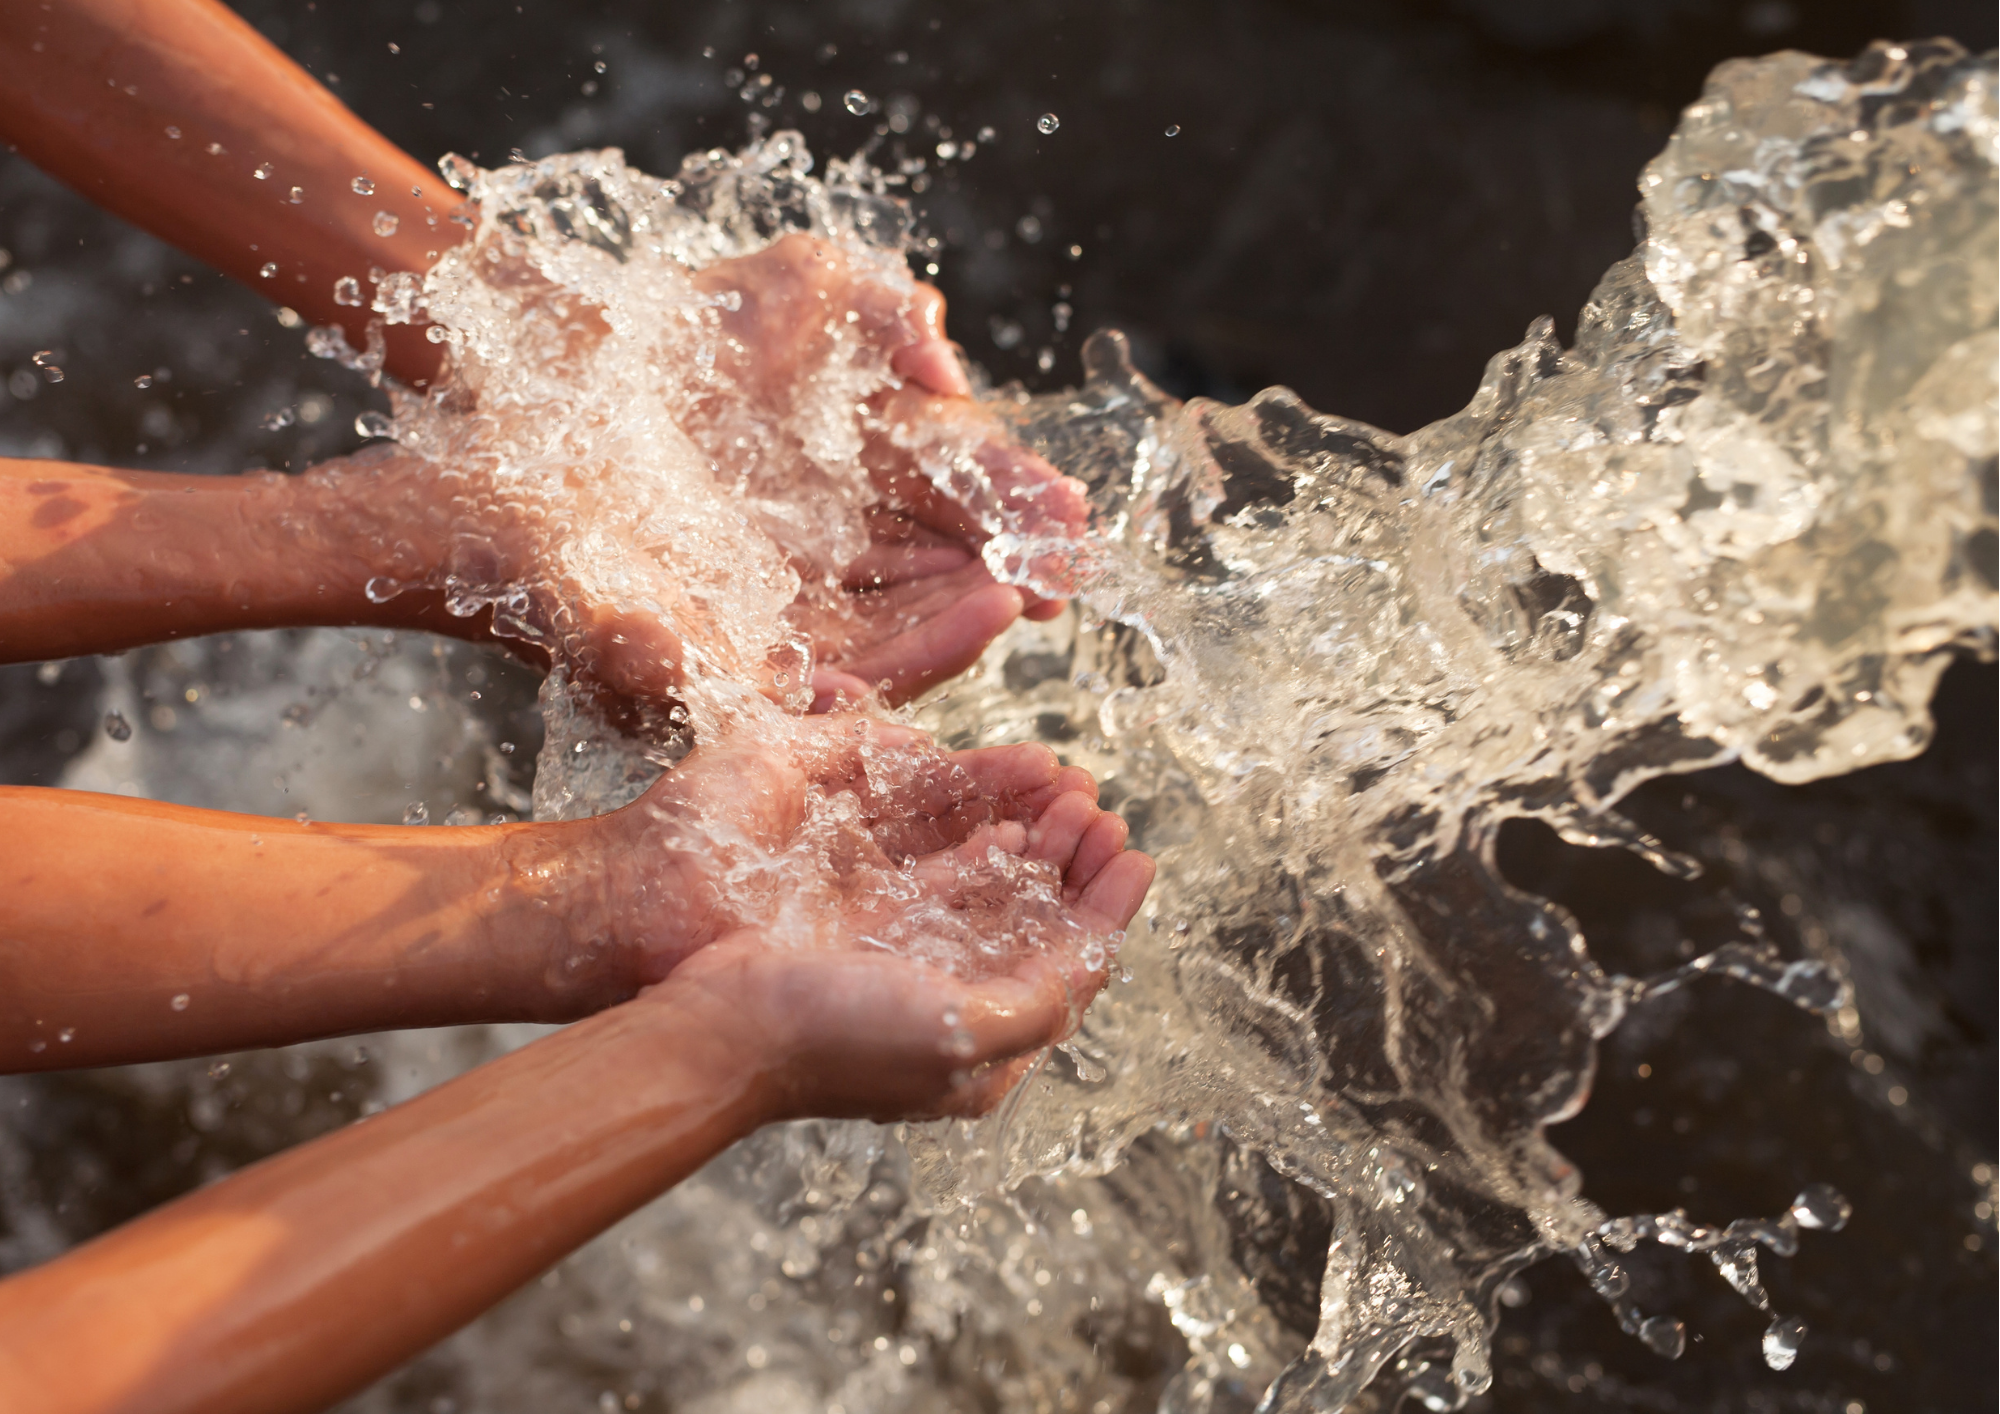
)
(116, 727)
(363, 187)
(1782, 1341)
(856, 102)
(417, 813)
(386, 223)
(1822, 1205)
(374, 424)
(1047, 124)
(1665, 1335)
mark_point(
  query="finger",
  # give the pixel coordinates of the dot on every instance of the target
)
(1041, 498)
(837, 692)
(940, 647)
(1009, 770)
(1040, 610)
(933, 364)
(921, 598)
(1054, 836)
(881, 566)
(1100, 844)
(1119, 888)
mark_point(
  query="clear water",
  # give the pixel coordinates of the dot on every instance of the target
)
(1743, 518)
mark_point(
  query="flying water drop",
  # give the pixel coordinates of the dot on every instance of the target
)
(386, 223)
(46, 361)
(1782, 1342)
(1173, 130)
(417, 813)
(1665, 1335)
(268, 269)
(1047, 124)
(373, 424)
(363, 187)
(116, 727)
(856, 102)
(144, 380)
(1822, 1205)
(264, 170)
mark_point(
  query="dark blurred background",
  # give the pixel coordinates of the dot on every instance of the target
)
(1362, 201)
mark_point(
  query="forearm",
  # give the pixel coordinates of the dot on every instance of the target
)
(185, 121)
(131, 930)
(298, 1281)
(94, 560)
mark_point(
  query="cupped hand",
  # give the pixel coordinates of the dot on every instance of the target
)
(919, 605)
(811, 830)
(832, 1026)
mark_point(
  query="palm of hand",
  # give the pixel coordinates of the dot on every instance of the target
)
(908, 1036)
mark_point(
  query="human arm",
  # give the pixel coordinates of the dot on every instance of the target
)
(298, 1281)
(164, 112)
(99, 560)
(131, 930)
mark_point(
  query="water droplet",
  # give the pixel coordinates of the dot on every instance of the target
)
(1665, 1335)
(180, 1001)
(66, 1035)
(37, 1046)
(282, 418)
(173, 132)
(298, 195)
(347, 291)
(1782, 1341)
(374, 424)
(1173, 130)
(417, 813)
(459, 172)
(46, 361)
(264, 170)
(363, 187)
(268, 269)
(1822, 1205)
(144, 380)
(218, 1069)
(856, 102)
(386, 223)
(1047, 124)
(381, 589)
(116, 727)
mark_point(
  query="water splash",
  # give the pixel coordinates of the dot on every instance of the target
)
(1318, 665)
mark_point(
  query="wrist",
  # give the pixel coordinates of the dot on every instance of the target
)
(359, 527)
(548, 905)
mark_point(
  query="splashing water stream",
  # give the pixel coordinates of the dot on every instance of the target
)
(1746, 517)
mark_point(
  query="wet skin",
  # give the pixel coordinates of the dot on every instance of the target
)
(923, 605)
(289, 1284)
